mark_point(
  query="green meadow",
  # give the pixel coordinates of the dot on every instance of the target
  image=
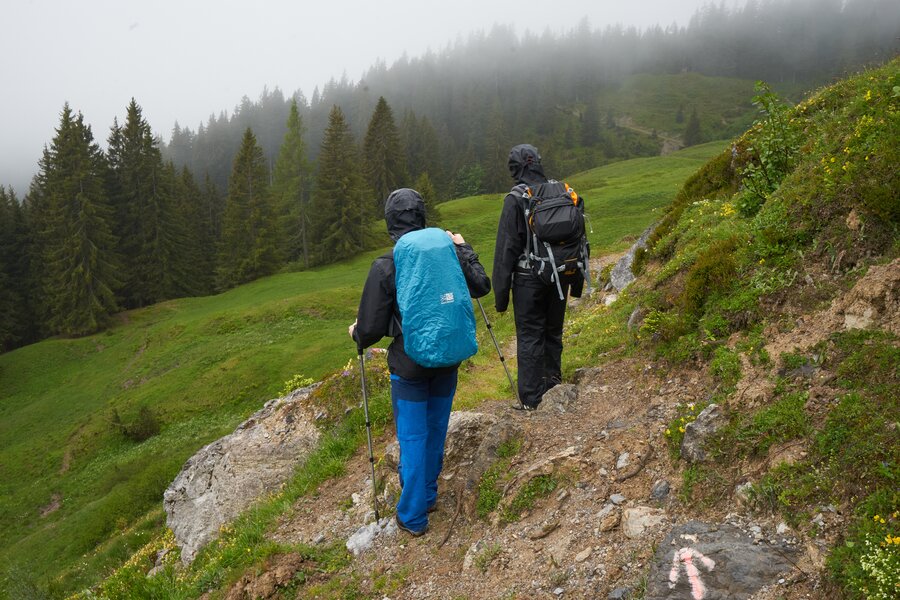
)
(77, 497)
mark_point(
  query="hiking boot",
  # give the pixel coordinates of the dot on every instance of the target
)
(403, 527)
(525, 407)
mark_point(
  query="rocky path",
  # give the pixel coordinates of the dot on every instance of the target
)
(612, 528)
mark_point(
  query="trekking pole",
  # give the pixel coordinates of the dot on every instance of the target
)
(512, 385)
(365, 395)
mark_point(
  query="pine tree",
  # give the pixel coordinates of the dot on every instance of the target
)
(422, 149)
(590, 125)
(338, 210)
(12, 313)
(692, 134)
(249, 246)
(199, 264)
(150, 238)
(385, 168)
(425, 188)
(496, 151)
(291, 187)
(77, 245)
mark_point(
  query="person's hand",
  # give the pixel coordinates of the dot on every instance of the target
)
(351, 329)
(456, 237)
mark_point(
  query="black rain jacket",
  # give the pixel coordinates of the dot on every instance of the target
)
(378, 315)
(512, 231)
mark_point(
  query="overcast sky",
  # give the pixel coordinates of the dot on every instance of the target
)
(182, 60)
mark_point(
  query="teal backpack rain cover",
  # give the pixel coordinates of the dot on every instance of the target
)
(435, 307)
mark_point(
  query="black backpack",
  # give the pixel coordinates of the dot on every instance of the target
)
(557, 249)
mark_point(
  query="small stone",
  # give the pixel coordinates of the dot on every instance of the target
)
(610, 521)
(562, 495)
(619, 594)
(583, 555)
(558, 591)
(742, 493)
(635, 521)
(603, 472)
(607, 508)
(660, 489)
(617, 499)
(319, 539)
(543, 530)
(782, 529)
(356, 498)
(624, 461)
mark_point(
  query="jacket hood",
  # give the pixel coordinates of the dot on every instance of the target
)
(404, 211)
(525, 164)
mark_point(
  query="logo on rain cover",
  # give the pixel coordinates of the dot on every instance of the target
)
(447, 298)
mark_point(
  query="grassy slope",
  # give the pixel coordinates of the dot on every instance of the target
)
(203, 364)
(725, 273)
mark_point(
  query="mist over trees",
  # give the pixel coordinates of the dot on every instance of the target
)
(292, 183)
(470, 101)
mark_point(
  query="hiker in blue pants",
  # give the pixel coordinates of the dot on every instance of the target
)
(421, 397)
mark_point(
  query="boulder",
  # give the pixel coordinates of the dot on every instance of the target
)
(225, 477)
(710, 420)
(715, 562)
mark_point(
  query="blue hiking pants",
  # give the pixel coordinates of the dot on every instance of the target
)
(421, 414)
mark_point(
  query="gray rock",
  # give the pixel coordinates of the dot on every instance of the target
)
(225, 477)
(637, 520)
(365, 536)
(619, 594)
(617, 499)
(559, 398)
(637, 315)
(710, 420)
(621, 274)
(588, 375)
(660, 490)
(465, 433)
(718, 561)
(623, 461)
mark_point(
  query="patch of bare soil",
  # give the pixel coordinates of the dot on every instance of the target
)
(53, 506)
(277, 573)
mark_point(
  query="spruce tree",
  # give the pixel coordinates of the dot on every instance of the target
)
(291, 187)
(150, 237)
(12, 314)
(200, 244)
(496, 152)
(423, 151)
(692, 134)
(249, 246)
(338, 210)
(78, 247)
(385, 168)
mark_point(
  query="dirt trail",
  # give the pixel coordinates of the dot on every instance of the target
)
(670, 144)
(571, 543)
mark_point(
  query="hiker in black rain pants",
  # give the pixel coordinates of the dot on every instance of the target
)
(538, 310)
(421, 397)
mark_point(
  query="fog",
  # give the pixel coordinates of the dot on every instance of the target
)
(186, 60)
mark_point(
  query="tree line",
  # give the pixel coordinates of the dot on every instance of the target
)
(100, 232)
(286, 181)
(462, 107)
